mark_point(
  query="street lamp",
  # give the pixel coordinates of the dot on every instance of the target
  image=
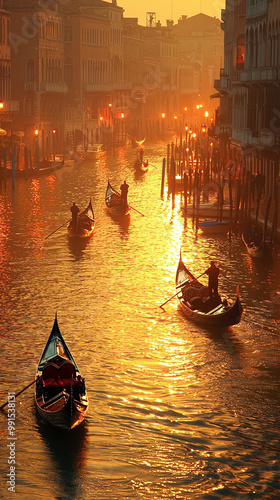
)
(54, 132)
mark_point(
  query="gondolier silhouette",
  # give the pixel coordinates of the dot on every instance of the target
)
(75, 212)
(213, 273)
(124, 190)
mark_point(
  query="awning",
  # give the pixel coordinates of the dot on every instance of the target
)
(215, 96)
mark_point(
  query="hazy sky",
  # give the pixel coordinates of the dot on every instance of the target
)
(170, 9)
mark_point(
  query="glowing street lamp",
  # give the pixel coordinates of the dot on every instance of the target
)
(54, 132)
(203, 129)
(1, 105)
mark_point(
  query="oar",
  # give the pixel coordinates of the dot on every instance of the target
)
(136, 210)
(170, 298)
(67, 222)
(180, 286)
(189, 281)
(18, 393)
(130, 205)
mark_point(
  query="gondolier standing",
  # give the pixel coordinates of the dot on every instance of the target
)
(75, 211)
(124, 190)
(213, 273)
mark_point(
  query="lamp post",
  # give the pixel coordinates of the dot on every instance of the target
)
(36, 134)
(54, 132)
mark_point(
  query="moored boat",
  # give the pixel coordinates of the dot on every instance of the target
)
(92, 151)
(214, 227)
(114, 203)
(257, 245)
(85, 224)
(199, 307)
(60, 392)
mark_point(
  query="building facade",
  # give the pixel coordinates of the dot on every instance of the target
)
(249, 118)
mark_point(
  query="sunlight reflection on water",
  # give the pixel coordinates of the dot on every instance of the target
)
(175, 411)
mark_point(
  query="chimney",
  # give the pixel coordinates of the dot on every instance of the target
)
(114, 2)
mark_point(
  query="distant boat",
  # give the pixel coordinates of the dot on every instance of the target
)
(92, 151)
(141, 167)
(139, 142)
(214, 227)
(208, 209)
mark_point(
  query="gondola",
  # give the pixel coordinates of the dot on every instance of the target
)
(85, 225)
(141, 167)
(60, 392)
(256, 244)
(199, 307)
(115, 205)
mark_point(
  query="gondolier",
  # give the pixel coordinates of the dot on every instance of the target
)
(124, 190)
(75, 212)
(213, 273)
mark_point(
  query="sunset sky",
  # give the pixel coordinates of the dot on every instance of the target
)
(170, 9)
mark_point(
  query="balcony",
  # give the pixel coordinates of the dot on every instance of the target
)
(261, 7)
(259, 75)
(56, 87)
(264, 138)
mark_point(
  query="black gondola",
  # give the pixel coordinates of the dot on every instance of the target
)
(85, 225)
(199, 307)
(114, 203)
(60, 393)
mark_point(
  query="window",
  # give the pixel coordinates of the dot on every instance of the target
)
(30, 71)
(68, 70)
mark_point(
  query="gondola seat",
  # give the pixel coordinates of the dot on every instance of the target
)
(67, 373)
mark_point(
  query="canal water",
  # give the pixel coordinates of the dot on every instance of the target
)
(176, 411)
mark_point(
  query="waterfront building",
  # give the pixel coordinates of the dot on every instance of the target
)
(248, 121)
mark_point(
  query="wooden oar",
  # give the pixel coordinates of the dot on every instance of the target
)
(130, 205)
(180, 286)
(67, 222)
(136, 210)
(170, 298)
(189, 281)
(18, 393)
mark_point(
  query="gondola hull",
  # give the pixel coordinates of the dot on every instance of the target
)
(220, 316)
(214, 227)
(61, 400)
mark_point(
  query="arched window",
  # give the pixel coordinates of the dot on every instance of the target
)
(240, 53)
(30, 71)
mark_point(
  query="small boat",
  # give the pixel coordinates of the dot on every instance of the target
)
(139, 142)
(208, 210)
(60, 392)
(256, 244)
(214, 227)
(114, 203)
(92, 151)
(199, 307)
(85, 226)
(141, 167)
